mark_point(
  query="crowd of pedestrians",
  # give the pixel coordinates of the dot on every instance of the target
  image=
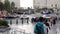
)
(44, 25)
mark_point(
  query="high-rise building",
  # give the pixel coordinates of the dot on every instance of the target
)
(46, 3)
(39, 3)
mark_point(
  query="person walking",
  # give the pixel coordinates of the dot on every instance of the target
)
(46, 26)
(39, 28)
(52, 21)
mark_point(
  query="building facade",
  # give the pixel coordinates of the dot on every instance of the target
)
(46, 3)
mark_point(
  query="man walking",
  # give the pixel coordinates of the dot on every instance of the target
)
(39, 28)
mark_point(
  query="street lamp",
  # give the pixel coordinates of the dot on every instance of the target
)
(46, 3)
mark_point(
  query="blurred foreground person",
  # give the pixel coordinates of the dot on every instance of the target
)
(39, 28)
(52, 21)
(46, 26)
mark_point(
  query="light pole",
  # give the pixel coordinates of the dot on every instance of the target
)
(46, 3)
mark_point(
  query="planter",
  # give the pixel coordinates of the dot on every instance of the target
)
(3, 28)
(4, 23)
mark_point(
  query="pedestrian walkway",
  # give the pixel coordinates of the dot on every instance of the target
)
(55, 29)
(28, 28)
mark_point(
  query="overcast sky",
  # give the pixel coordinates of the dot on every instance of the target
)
(26, 3)
(23, 3)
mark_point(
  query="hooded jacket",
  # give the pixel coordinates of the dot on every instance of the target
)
(40, 27)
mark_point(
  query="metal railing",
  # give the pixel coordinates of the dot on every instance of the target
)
(17, 21)
(16, 30)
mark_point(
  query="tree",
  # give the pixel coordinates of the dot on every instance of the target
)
(6, 5)
(1, 6)
(12, 5)
(29, 8)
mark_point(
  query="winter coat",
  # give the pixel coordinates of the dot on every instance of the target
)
(39, 28)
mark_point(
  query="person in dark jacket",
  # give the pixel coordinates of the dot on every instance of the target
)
(47, 26)
(39, 28)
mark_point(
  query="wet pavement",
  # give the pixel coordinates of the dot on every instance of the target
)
(27, 28)
(30, 27)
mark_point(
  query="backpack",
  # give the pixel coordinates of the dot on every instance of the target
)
(38, 30)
